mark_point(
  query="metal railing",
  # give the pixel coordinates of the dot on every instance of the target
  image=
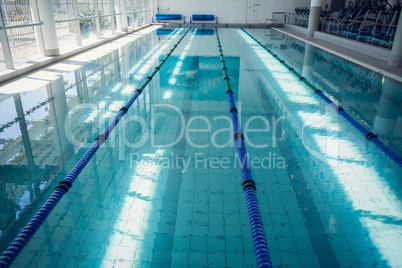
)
(17, 14)
(75, 20)
(271, 22)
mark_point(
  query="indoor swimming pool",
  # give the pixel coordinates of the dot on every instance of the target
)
(165, 190)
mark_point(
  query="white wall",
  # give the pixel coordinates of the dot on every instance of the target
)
(269, 6)
(227, 11)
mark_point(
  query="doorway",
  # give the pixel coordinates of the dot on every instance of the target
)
(253, 11)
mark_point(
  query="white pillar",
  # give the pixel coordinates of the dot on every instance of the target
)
(112, 10)
(118, 16)
(5, 44)
(69, 10)
(395, 59)
(388, 109)
(38, 30)
(77, 23)
(152, 7)
(97, 23)
(24, 132)
(132, 24)
(314, 17)
(45, 8)
(57, 113)
(123, 8)
(126, 60)
(308, 62)
(147, 12)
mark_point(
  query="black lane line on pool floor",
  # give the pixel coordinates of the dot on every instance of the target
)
(319, 239)
(369, 135)
(163, 245)
(315, 228)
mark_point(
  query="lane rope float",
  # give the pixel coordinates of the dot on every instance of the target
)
(257, 227)
(368, 135)
(12, 252)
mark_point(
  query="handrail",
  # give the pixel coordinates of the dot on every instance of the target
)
(22, 25)
(271, 20)
(249, 188)
(369, 135)
(139, 11)
(12, 252)
(66, 20)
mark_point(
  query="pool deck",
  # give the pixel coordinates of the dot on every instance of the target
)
(374, 64)
(42, 76)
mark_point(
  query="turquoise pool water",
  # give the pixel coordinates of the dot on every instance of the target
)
(165, 190)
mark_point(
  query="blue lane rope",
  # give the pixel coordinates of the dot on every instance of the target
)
(249, 188)
(369, 136)
(12, 252)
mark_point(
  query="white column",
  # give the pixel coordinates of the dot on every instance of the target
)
(118, 16)
(38, 29)
(45, 8)
(308, 62)
(57, 113)
(147, 12)
(77, 23)
(112, 10)
(132, 14)
(123, 8)
(69, 10)
(5, 44)
(126, 60)
(24, 132)
(314, 17)
(395, 59)
(388, 109)
(152, 7)
(97, 24)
